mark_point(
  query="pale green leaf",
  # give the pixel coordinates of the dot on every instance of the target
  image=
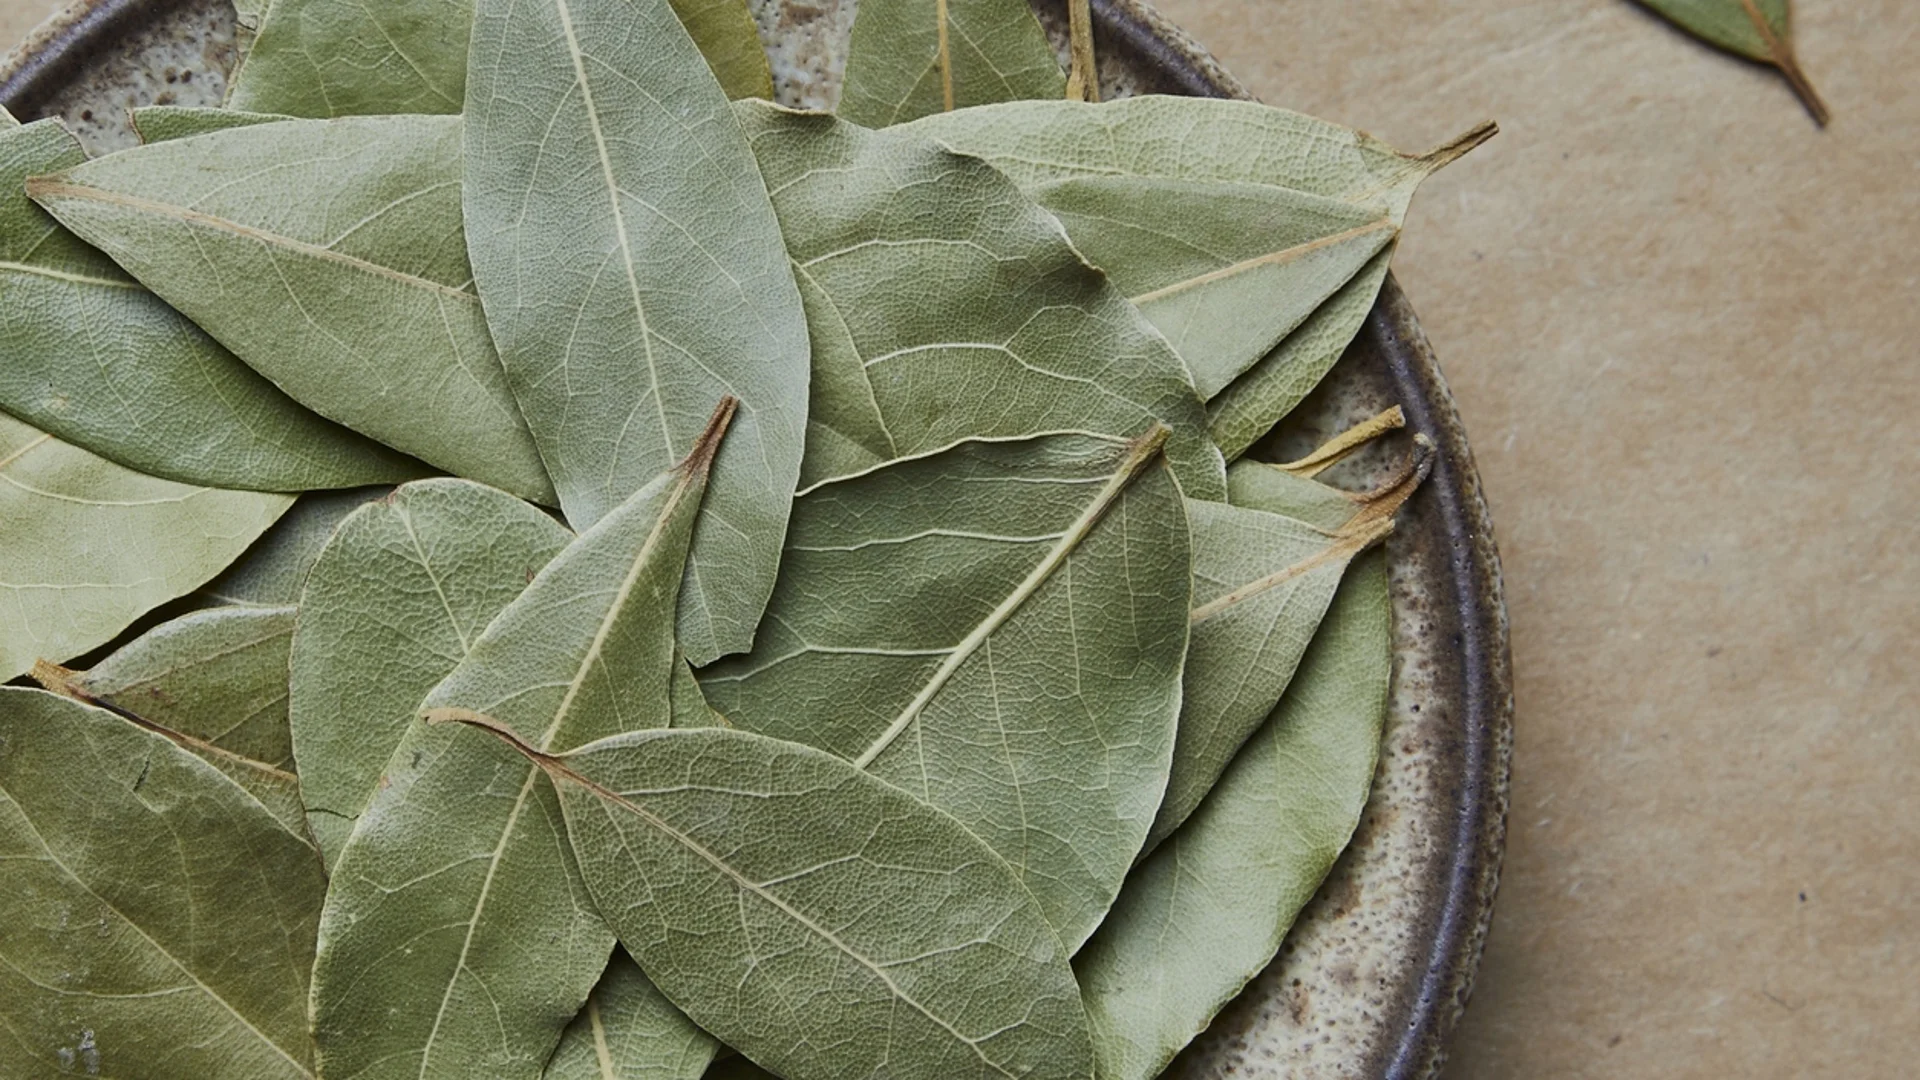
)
(1756, 29)
(629, 1031)
(392, 604)
(164, 123)
(633, 274)
(998, 629)
(1207, 911)
(158, 923)
(909, 58)
(95, 359)
(458, 939)
(820, 920)
(945, 305)
(273, 571)
(1165, 139)
(87, 547)
(330, 257)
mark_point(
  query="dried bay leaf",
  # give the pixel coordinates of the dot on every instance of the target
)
(330, 257)
(1038, 143)
(164, 123)
(273, 571)
(998, 629)
(630, 1031)
(110, 966)
(820, 920)
(391, 606)
(909, 58)
(633, 274)
(1024, 337)
(96, 360)
(458, 938)
(87, 546)
(1208, 910)
(1756, 29)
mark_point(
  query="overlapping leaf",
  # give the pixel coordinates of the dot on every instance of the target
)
(1207, 911)
(998, 629)
(164, 123)
(633, 273)
(391, 606)
(329, 257)
(273, 571)
(1756, 29)
(458, 938)
(97, 360)
(146, 541)
(822, 921)
(158, 921)
(1062, 146)
(909, 58)
(629, 1031)
(945, 305)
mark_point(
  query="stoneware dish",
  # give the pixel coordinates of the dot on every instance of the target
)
(1375, 974)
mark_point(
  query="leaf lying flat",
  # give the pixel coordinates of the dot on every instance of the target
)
(630, 1031)
(99, 361)
(329, 257)
(998, 629)
(458, 938)
(391, 606)
(274, 570)
(1040, 143)
(87, 547)
(1756, 29)
(909, 58)
(1207, 911)
(823, 922)
(106, 963)
(944, 305)
(633, 274)
(164, 123)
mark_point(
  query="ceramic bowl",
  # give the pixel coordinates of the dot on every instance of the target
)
(1376, 972)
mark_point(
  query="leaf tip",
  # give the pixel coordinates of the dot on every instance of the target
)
(1458, 147)
(699, 461)
(59, 680)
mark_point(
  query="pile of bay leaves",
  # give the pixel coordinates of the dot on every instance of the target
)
(538, 561)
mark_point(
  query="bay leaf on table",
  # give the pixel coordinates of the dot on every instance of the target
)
(998, 629)
(823, 922)
(1039, 143)
(633, 274)
(273, 571)
(329, 256)
(944, 305)
(390, 607)
(1264, 571)
(323, 58)
(215, 684)
(97, 360)
(909, 58)
(630, 1031)
(87, 546)
(458, 938)
(1207, 911)
(118, 846)
(1759, 30)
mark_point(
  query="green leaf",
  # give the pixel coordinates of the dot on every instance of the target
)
(1224, 270)
(323, 58)
(391, 606)
(1756, 29)
(820, 920)
(87, 547)
(633, 274)
(1264, 570)
(1209, 142)
(997, 629)
(215, 683)
(122, 852)
(329, 256)
(99, 361)
(273, 571)
(458, 938)
(1207, 911)
(630, 1031)
(909, 58)
(165, 123)
(944, 305)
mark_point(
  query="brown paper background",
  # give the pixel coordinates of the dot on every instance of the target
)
(1683, 325)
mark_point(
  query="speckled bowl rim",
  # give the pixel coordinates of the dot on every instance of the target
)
(1483, 687)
